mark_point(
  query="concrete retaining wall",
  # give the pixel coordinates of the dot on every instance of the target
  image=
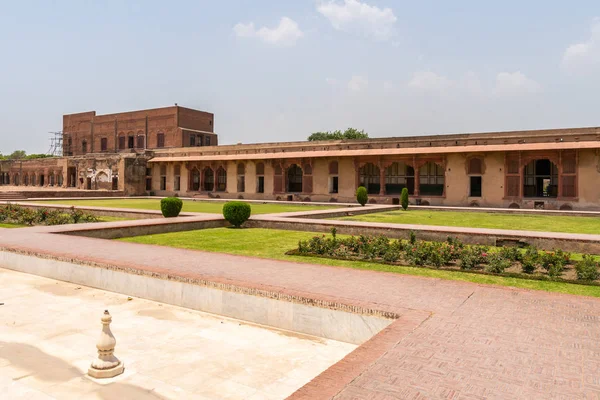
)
(296, 317)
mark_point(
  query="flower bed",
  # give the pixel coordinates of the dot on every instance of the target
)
(15, 214)
(528, 263)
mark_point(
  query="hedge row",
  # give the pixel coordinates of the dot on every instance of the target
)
(15, 214)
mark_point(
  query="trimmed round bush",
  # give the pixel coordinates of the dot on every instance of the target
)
(236, 212)
(171, 207)
(361, 195)
(404, 199)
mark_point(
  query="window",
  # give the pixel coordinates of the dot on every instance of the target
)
(333, 184)
(130, 142)
(160, 140)
(475, 187)
(431, 179)
(163, 177)
(177, 179)
(192, 140)
(540, 179)
(208, 140)
(369, 178)
(475, 166)
(260, 178)
(241, 178)
(195, 180)
(84, 147)
(140, 141)
(294, 179)
(103, 144)
(208, 182)
(122, 142)
(221, 180)
(399, 176)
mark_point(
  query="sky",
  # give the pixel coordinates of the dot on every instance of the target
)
(273, 70)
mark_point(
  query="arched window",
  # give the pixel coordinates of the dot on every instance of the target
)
(208, 181)
(431, 179)
(51, 179)
(540, 179)
(60, 179)
(221, 179)
(369, 178)
(399, 176)
(195, 180)
(140, 141)
(16, 180)
(103, 144)
(84, 147)
(160, 140)
(241, 178)
(475, 166)
(294, 179)
(122, 142)
(26, 180)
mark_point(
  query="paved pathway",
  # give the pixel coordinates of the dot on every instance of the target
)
(454, 340)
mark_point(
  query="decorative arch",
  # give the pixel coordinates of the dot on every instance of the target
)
(294, 176)
(195, 179)
(221, 179)
(432, 179)
(369, 177)
(475, 165)
(399, 175)
(208, 179)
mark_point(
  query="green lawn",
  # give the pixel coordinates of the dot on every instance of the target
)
(11, 226)
(188, 206)
(273, 244)
(546, 223)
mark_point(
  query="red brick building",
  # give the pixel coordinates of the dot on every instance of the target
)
(168, 127)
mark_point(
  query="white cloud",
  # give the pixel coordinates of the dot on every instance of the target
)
(508, 83)
(582, 55)
(354, 16)
(430, 81)
(285, 34)
(358, 83)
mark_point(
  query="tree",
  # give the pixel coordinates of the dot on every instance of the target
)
(404, 198)
(362, 196)
(348, 134)
(17, 155)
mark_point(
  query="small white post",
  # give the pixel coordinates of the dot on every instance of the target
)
(106, 365)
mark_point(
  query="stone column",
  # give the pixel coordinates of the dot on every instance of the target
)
(381, 179)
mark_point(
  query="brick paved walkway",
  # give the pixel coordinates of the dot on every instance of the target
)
(453, 340)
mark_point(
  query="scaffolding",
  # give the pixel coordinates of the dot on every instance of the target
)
(56, 144)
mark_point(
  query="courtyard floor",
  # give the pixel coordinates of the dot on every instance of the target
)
(49, 331)
(188, 205)
(543, 223)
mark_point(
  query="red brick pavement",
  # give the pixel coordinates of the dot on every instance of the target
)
(453, 340)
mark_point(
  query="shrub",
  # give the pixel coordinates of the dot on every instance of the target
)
(554, 262)
(236, 212)
(171, 207)
(530, 260)
(497, 264)
(511, 253)
(587, 269)
(404, 199)
(361, 195)
(472, 256)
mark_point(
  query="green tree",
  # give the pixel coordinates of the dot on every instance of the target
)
(17, 155)
(404, 199)
(362, 196)
(348, 134)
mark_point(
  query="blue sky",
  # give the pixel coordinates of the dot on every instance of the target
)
(279, 70)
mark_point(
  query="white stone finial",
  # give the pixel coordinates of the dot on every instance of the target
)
(106, 365)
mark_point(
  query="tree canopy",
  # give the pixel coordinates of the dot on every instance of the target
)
(22, 155)
(348, 134)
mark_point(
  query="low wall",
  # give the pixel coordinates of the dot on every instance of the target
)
(98, 211)
(542, 240)
(31, 194)
(226, 300)
(143, 228)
